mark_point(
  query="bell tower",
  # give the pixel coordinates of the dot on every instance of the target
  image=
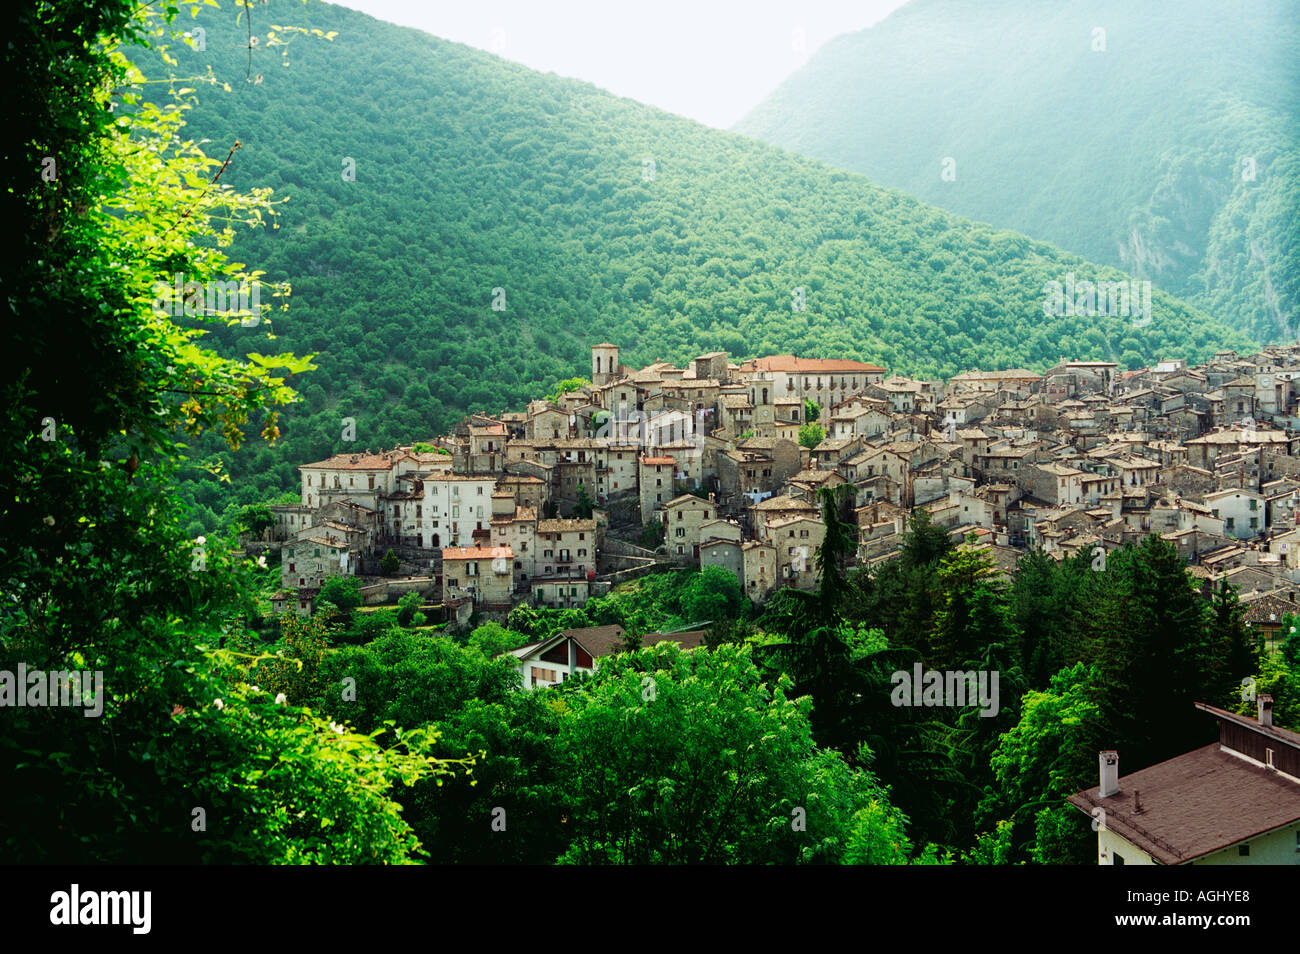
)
(604, 363)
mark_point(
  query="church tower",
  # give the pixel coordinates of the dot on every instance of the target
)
(604, 363)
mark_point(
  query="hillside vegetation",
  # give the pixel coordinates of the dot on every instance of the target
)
(1165, 145)
(582, 217)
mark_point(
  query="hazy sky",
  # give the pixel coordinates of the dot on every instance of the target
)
(711, 60)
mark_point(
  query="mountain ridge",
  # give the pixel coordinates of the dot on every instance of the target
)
(1132, 154)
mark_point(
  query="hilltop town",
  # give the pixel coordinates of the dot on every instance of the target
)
(658, 467)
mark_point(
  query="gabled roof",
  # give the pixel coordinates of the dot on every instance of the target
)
(1201, 802)
(561, 525)
(353, 462)
(600, 641)
(789, 363)
(686, 499)
(784, 502)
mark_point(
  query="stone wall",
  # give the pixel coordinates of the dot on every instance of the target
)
(389, 591)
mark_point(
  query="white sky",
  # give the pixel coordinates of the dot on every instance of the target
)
(711, 60)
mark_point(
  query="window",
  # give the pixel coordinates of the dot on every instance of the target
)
(1119, 859)
(1243, 851)
(291, 568)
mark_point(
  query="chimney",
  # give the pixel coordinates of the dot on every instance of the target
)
(1265, 709)
(1109, 773)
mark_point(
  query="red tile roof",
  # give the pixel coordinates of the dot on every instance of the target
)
(788, 362)
(477, 553)
(352, 462)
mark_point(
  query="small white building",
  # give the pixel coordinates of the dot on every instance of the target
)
(551, 661)
(1241, 510)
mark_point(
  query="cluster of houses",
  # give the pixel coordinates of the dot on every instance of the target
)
(554, 504)
(550, 505)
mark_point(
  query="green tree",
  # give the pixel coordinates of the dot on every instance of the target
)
(493, 638)
(411, 679)
(712, 594)
(103, 577)
(565, 386)
(811, 410)
(1290, 647)
(407, 607)
(585, 505)
(516, 771)
(1050, 754)
(1154, 650)
(390, 563)
(810, 435)
(646, 781)
(255, 519)
(343, 592)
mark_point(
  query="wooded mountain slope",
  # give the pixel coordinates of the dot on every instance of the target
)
(1174, 152)
(598, 218)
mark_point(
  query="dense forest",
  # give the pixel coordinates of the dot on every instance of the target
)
(1088, 658)
(1163, 138)
(584, 218)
